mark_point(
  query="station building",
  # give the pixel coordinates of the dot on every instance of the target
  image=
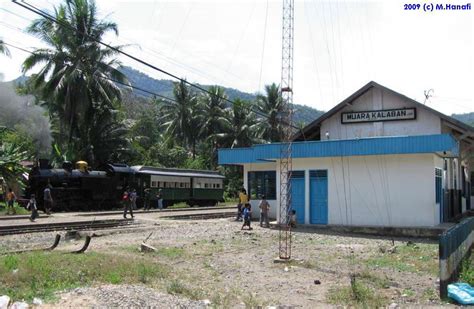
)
(378, 158)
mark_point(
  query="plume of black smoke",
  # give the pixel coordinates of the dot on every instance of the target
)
(21, 114)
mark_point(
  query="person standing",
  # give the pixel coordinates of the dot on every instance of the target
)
(127, 205)
(11, 198)
(146, 205)
(264, 208)
(247, 217)
(48, 200)
(32, 206)
(243, 201)
(133, 199)
(159, 198)
(2, 190)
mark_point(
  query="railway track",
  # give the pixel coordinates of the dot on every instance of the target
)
(65, 226)
(198, 216)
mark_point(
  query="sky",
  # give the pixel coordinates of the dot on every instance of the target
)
(339, 46)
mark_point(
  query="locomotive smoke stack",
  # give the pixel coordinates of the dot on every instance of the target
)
(67, 166)
(44, 164)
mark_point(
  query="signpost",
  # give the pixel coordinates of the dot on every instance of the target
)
(379, 115)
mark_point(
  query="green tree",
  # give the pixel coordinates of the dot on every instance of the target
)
(12, 153)
(215, 119)
(181, 117)
(74, 80)
(270, 104)
(4, 49)
(243, 127)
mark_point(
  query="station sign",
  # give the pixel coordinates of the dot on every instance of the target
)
(379, 115)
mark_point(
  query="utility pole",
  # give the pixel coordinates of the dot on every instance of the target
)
(286, 122)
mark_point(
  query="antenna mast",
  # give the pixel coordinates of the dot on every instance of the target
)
(286, 123)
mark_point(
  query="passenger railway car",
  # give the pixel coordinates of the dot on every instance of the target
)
(195, 187)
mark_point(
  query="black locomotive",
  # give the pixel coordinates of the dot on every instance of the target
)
(82, 189)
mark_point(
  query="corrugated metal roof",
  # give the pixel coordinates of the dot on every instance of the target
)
(176, 172)
(438, 143)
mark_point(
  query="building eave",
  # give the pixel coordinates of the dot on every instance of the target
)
(442, 144)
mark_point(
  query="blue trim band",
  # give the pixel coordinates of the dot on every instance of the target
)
(443, 144)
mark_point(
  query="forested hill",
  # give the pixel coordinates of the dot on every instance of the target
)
(164, 87)
(466, 118)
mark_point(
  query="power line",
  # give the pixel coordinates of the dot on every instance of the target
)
(39, 12)
(104, 77)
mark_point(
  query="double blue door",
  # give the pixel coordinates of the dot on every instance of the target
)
(297, 195)
(318, 197)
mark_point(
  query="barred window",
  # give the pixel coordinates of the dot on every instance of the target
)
(262, 183)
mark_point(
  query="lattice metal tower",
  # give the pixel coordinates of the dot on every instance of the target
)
(286, 122)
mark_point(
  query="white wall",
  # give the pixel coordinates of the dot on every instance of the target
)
(377, 99)
(390, 190)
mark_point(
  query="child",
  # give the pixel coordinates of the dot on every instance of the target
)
(32, 206)
(247, 217)
(293, 219)
(11, 197)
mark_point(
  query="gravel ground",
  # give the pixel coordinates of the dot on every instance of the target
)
(121, 296)
(215, 260)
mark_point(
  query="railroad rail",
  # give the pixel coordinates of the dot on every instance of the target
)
(65, 226)
(199, 216)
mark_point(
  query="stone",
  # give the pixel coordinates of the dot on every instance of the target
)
(37, 301)
(317, 282)
(4, 301)
(19, 305)
(393, 306)
(147, 248)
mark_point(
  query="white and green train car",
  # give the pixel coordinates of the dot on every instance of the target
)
(195, 187)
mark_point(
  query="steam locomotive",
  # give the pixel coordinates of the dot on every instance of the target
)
(82, 189)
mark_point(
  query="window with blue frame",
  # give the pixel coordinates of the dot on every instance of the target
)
(262, 183)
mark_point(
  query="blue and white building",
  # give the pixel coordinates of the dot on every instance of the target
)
(378, 158)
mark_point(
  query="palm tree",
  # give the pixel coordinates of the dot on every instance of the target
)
(177, 114)
(271, 104)
(3, 49)
(243, 130)
(76, 75)
(216, 120)
(11, 154)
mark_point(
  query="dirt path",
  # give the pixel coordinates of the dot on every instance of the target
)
(213, 261)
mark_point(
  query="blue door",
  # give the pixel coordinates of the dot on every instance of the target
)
(318, 196)
(297, 195)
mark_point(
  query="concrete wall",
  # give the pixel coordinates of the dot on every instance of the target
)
(391, 190)
(377, 99)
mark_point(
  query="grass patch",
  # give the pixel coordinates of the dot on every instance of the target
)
(40, 274)
(467, 271)
(375, 280)
(18, 209)
(358, 294)
(430, 294)
(413, 259)
(176, 287)
(170, 252)
(251, 301)
(179, 205)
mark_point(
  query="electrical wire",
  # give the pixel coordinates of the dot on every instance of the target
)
(39, 12)
(107, 78)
